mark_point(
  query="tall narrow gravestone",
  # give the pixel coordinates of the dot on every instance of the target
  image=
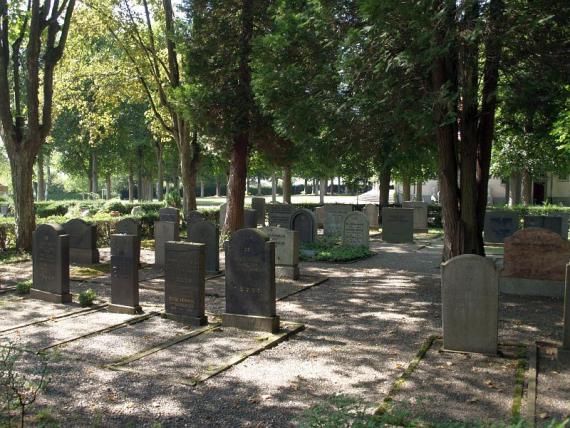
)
(420, 214)
(397, 225)
(356, 230)
(555, 223)
(222, 216)
(207, 233)
(124, 275)
(372, 213)
(280, 214)
(164, 231)
(334, 216)
(320, 213)
(470, 298)
(185, 282)
(249, 218)
(50, 258)
(82, 241)
(258, 204)
(499, 225)
(566, 335)
(304, 222)
(129, 226)
(169, 214)
(286, 251)
(250, 282)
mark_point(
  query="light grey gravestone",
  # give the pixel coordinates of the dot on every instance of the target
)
(194, 216)
(137, 211)
(470, 300)
(356, 230)
(556, 223)
(500, 225)
(50, 264)
(207, 233)
(320, 213)
(280, 214)
(372, 212)
(397, 225)
(82, 242)
(258, 204)
(566, 335)
(287, 245)
(305, 222)
(124, 275)
(420, 214)
(334, 218)
(250, 282)
(129, 226)
(222, 217)
(249, 218)
(185, 282)
(169, 214)
(164, 231)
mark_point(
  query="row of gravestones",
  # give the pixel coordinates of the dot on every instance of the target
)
(470, 300)
(250, 277)
(499, 225)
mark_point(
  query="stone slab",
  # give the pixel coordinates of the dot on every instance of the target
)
(398, 225)
(420, 214)
(499, 225)
(531, 287)
(372, 213)
(50, 297)
(287, 272)
(334, 217)
(356, 230)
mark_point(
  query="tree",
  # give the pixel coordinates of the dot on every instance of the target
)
(32, 41)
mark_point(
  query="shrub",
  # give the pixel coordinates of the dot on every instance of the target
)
(87, 297)
(24, 287)
(173, 199)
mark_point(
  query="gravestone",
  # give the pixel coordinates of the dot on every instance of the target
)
(356, 230)
(372, 212)
(470, 302)
(320, 213)
(169, 214)
(82, 242)
(287, 244)
(4, 210)
(420, 215)
(556, 223)
(397, 225)
(129, 226)
(500, 225)
(566, 334)
(124, 275)
(207, 233)
(164, 231)
(250, 282)
(137, 211)
(222, 217)
(258, 204)
(194, 216)
(280, 214)
(305, 222)
(185, 282)
(334, 217)
(249, 218)
(50, 264)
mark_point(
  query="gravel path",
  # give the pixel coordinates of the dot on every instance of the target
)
(553, 386)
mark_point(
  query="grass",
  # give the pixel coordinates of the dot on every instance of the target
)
(88, 272)
(329, 249)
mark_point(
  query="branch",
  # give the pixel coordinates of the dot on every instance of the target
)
(6, 121)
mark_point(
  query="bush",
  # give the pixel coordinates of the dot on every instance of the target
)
(24, 287)
(329, 249)
(173, 199)
(87, 297)
(48, 209)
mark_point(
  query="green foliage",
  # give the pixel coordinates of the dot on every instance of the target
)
(173, 199)
(24, 287)
(329, 249)
(87, 297)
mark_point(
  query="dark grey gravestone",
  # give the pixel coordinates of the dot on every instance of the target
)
(334, 217)
(249, 218)
(566, 334)
(185, 282)
(250, 282)
(223, 210)
(397, 225)
(207, 233)
(169, 214)
(287, 247)
(356, 230)
(305, 222)
(129, 226)
(280, 214)
(556, 223)
(164, 231)
(194, 216)
(82, 242)
(500, 225)
(50, 259)
(258, 204)
(470, 301)
(124, 275)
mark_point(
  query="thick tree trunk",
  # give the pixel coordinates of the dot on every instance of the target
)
(236, 185)
(385, 177)
(323, 185)
(419, 191)
(515, 185)
(287, 185)
(90, 175)
(140, 186)
(41, 196)
(406, 188)
(274, 188)
(507, 190)
(108, 185)
(189, 158)
(131, 183)
(22, 168)
(526, 188)
(160, 170)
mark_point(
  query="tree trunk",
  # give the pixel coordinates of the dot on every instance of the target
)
(323, 185)
(217, 186)
(131, 183)
(22, 168)
(48, 174)
(287, 185)
(236, 185)
(385, 177)
(201, 188)
(41, 196)
(339, 185)
(259, 192)
(406, 188)
(140, 186)
(273, 188)
(507, 191)
(332, 186)
(160, 170)
(108, 185)
(314, 188)
(95, 172)
(515, 185)
(189, 158)
(526, 188)
(90, 175)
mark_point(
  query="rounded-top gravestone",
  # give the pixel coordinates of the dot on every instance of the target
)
(82, 241)
(305, 222)
(206, 232)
